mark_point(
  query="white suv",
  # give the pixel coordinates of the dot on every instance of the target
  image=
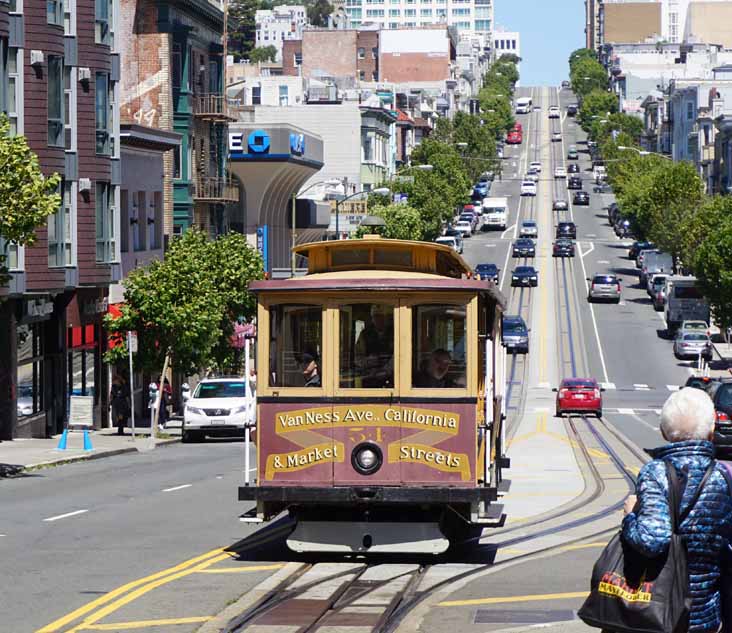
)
(553, 112)
(528, 188)
(218, 407)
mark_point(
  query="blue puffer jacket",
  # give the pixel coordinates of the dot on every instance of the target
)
(708, 527)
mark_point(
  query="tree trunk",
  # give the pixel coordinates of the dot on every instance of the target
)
(161, 397)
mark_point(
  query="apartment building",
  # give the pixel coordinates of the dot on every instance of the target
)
(60, 76)
(464, 15)
(275, 26)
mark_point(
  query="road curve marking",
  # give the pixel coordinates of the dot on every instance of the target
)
(64, 516)
(510, 599)
(174, 488)
(143, 624)
(240, 570)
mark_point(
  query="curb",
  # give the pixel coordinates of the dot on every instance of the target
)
(89, 457)
(219, 622)
(541, 627)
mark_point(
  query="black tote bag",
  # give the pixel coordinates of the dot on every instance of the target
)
(630, 593)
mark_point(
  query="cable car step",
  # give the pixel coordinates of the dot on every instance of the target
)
(493, 516)
(504, 485)
(250, 516)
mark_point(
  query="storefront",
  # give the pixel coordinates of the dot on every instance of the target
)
(85, 345)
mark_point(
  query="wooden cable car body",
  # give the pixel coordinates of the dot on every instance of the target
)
(380, 398)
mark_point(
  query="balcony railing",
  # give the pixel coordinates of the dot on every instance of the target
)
(213, 189)
(213, 107)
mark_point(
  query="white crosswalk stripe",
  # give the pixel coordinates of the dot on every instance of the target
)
(641, 387)
(608, 385)
(673, 387)
(626, 411)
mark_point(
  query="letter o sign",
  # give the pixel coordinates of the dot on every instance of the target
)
(258, 142)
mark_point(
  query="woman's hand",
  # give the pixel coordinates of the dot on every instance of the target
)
(629, 504)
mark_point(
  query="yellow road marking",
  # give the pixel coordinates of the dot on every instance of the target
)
(142, 624)
(134, 595)
(508, 599)
(56, 625)
(568, 548)
(239, 570)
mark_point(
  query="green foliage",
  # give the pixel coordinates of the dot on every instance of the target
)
(184, 305)
(479, 154)
(596, 105)
(403, 222)
(242, 27)
(27, 197)
(712, 256)
(511, 58)
(587, 75)
(619, 123)
(263, 54)
(319, 11)
(580, 54)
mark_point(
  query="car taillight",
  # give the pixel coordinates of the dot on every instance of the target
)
(563, 393)
(722, 416)
(593, 285)
(597, 393)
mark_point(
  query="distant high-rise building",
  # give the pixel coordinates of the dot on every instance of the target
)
(281, 23)
(472, 15)
(505, 42)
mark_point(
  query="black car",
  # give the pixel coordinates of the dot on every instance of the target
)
(487, 271)
(602, 188)
(637, 247)
(723, 427)
(515, 334)
(581, 198)
(574, 182)
(566, 230)
(571, 109)
(560, 205)
(563, 248)
(613, 210)
(524, 247)
(707, 384)
(525, 276)
(573, 168)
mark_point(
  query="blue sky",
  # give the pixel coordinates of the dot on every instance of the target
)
(550, 31)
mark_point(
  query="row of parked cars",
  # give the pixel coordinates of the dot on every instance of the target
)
(720, 391)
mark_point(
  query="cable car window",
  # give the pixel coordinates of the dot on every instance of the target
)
(366, 346)
(295, 346)
(393, 257)
(349, 256)
(438, 346)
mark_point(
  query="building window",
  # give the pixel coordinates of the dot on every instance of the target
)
(30, 369)
(102, 19)
(425, 13)
(55, 101)
(139, 220)
(15, 91)
(362, 75)
(461, 11)
(177, 65)
(124, 207)
(177, 161)
(284, 96)
(102, 110)
(374, 52)
(374, 76)
(55, 12)
(256, 95)
(60, 230)
(155, 223)
(368, 149)
(370, 13)
(105, 220)
(410, 13)
(690, 111)
(67, 107)
(297, 59)
(82, 360)
(394, 13)
(361, 50)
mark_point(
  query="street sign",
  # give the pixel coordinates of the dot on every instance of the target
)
(132, 342)
(81, 412)
(404, 178)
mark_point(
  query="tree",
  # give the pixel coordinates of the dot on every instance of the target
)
(586, 76)
(479, 153)
(511, 58)
(319, 11)
(27, 197)
(403, 222)
(580, 54)
(263, 54)
(242, 27)
(182, 307)
(596, 104)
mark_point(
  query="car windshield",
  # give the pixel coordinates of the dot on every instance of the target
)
(695, 325)
(220, 390)
(486, 268)
(514, 327)
(604, 279)
(524, 269)
(530, 224)
(724, 396)
(695, 337)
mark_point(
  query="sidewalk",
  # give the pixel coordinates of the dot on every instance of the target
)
(22, 455)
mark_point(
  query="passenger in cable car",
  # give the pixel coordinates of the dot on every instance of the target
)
(309, 363)
(434, 375)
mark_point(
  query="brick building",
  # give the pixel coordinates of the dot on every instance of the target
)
(59, 75)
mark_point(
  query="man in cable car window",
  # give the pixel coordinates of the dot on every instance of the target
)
(375, 348)
(309, 363)
(435, 373)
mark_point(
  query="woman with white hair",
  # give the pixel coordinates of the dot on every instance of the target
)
(687, 423)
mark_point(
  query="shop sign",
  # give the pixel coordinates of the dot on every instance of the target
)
(39, 307)
(258, 142)
(263, 245)
(81, 411)
(99, 306)
(297, 144)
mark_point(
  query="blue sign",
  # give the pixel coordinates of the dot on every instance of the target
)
(297, 143)
(263, 245)
(258, 142)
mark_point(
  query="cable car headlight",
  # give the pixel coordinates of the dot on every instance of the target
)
(367, 458)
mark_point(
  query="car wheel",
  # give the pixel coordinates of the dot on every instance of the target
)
(617, 300)
(590, 299)
(558, 413)
(598, 413)
(186, 438)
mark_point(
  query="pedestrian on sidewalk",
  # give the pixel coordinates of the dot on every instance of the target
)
(687, 423)
(166, 398)
(119, 396)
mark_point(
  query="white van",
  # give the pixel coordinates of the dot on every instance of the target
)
(495, 213)
(524, 105)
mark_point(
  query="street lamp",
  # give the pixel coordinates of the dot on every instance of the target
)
(331, 182)
(643, 152)
(461, 145)
(380, 191)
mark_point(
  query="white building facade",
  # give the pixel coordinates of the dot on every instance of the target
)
(464, 15)
(284, 22)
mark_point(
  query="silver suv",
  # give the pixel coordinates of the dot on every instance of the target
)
(604, 286)
(218, 407)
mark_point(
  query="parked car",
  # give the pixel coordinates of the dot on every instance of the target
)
(529, 228)
(708, 384)
(579, 395)
(692, 345)
(655, 281)
(560, 205)
(465, 227)
(659, 299)
(451, 231)
(604, 286)
(525, 276)
(574, 182)
(723, 427)
(528, 188)
(217, 407)
(581, 198)
(563, 248)
(487, 271)
(514, 137)
(567, 230)
(695, 326)
(602, 188)
(532, 175)
(515, 334)
(636, 247)
(622, 227)
(451, 241)
(560, 172)
(572, 154)
(573, 168)
(524, 247)
(572, 109)
(642, 255)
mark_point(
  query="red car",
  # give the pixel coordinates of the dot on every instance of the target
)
(514, 137)
(579, 395)
(518, 127)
